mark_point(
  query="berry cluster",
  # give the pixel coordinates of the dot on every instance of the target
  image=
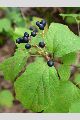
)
(26, 39)
(41, 24)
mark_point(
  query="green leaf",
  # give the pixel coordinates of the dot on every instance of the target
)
(12, 66)
(64, 72)
(5, 24)
(6, 98)
(61, 41)
(71, 18)
(69, 59)
(65, 95)
(75, 107)
(64, 69)
(35, 88)
(77, 79)
(70, 15)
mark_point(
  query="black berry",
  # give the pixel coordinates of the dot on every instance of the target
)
(27, 46)
(25, 39)
(38, 23)
(41, 27)
(50, 63)
(36, 30)
(26, 34)
(42, 44)
(43, 22)
(19, 40)
(31, 28)
(33, 33)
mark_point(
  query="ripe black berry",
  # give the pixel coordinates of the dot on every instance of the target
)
(50, 63)
(19, 40)
(26, 34)
(27, 46)
(25, 39)
(41, 44)
(31, 28)
(33, 33)
(38, 23)
(41, 27)
(43, 22)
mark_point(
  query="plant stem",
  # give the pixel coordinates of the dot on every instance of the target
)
(78, 28)
(78, 25)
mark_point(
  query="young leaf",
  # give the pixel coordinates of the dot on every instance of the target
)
(61, 41)
(6, 98)
(35, 88)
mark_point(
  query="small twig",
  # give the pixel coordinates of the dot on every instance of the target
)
(35, 55)
(39, 48)
(43, 34)
(22, 14)
(78, 25)
(78, 28)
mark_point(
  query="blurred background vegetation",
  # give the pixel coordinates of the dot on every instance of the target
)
(20, 19)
